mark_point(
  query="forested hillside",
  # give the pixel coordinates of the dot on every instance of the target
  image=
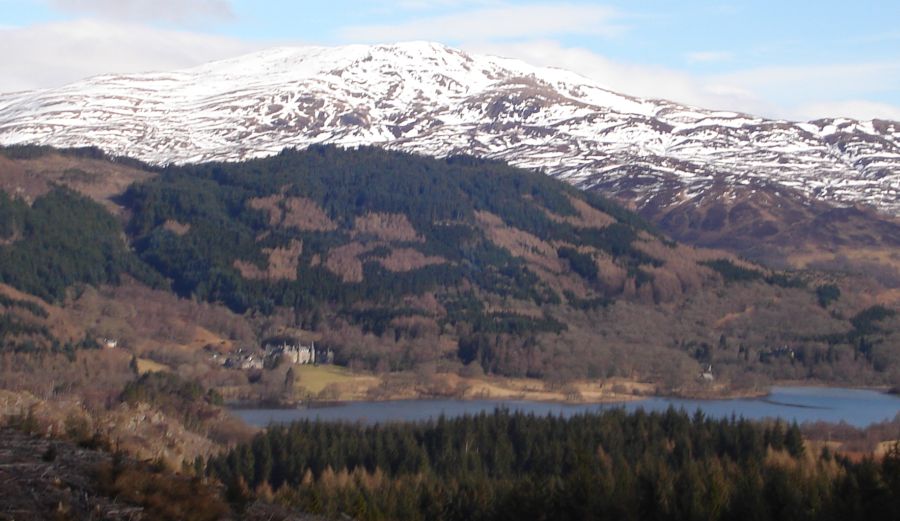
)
(60, 240)
(398, 262)
(476, 261)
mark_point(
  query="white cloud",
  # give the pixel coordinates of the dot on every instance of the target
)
(175, 11)
(53, 54)
(496, 23)
(816, 91)
(796, 93)
(424, 5)
(859, 109)
(637, 80)
(708, 56)
(797, 84)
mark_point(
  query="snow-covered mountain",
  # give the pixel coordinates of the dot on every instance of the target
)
(430, 99)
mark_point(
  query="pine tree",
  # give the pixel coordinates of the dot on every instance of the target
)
(793, 441)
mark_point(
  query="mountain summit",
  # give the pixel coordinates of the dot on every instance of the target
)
(430, 99)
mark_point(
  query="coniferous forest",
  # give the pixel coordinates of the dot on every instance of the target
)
(615, 465)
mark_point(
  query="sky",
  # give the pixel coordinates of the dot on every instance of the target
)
(792, 59)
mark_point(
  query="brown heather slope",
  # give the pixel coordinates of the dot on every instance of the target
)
(101, 179)
(782, 228)
(66, 379)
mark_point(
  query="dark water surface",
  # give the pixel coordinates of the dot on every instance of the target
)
(854, 406)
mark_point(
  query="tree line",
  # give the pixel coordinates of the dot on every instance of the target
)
(511, 465)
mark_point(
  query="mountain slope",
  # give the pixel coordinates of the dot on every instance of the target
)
(784, 229)
(430, 99)
(399, 261)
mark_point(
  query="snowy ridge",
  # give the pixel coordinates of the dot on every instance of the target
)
(430, 99)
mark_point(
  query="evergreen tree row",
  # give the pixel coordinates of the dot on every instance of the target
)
(612, 465)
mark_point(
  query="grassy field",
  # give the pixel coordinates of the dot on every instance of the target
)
(313, 379)
(330, 382)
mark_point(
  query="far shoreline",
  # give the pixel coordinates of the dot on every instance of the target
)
(548, 397)
(854, 407)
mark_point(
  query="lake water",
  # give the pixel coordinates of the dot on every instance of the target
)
(853, 406)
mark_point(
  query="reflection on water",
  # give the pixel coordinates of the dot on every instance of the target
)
(854, 406)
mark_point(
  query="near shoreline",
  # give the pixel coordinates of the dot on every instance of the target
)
(332, 384)
(326, 385)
